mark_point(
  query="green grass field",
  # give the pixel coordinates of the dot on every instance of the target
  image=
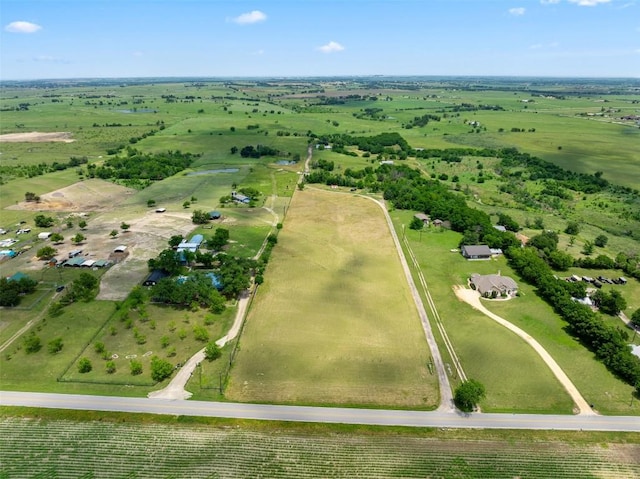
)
(116, 446)
(334, 322)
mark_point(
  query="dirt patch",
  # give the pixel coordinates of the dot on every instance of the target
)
(88, 195)
(37, 137)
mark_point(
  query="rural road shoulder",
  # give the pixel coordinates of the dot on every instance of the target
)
(266, 412)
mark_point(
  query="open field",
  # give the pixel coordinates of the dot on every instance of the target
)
(334, 321)
(40, 445)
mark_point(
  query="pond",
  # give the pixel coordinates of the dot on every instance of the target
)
(139, 110)
(219, 170)
(286, 162)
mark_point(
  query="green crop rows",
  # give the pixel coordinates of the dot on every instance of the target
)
(69, 449)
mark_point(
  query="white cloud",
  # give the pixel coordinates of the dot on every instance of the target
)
(549, 2)
(588, 3)
(517, 11)
(248, 18)
(22, 27)
(331, 47)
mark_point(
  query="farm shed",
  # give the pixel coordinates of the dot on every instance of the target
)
(155, 276)
(160, 210)
(422, 217)
(88, 263)
(481, 251)
(500, 228)
(214, 215)
(76, 261)
(239, 198)
(101, 263)
(493, 285)
(120, 249)
(44, 235)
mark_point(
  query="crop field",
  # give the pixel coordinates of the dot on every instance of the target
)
(334, 321)
(104, 449)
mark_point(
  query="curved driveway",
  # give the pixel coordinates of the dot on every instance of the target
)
(266, 412)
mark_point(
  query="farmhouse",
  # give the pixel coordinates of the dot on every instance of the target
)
(192, 245)
(476, 251)
(492, 285)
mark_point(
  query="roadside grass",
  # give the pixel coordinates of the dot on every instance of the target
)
(40, 443)
(334, 322)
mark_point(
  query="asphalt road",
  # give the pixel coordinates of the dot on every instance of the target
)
(380, 417)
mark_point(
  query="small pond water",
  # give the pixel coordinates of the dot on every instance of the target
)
(209, 172)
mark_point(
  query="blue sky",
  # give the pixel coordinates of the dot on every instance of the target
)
(222, 38)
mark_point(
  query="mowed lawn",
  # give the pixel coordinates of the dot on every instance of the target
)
(334, 322)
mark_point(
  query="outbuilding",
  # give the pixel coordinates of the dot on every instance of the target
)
(155, 276)
(44, 235)
(481, 251)
(120, 249)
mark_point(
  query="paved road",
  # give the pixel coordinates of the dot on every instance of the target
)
(381, 417)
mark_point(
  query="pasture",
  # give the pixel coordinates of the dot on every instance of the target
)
(117, 446)
(334, 321)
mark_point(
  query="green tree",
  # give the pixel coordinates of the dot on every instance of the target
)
(110, 366)
(560, 260)
(32, 343)
(573, 228)
(124, 226)
(186, 204)
(635, 318)
(601, 241)
(201, 333)
(69, 224)
(46, 252)
(55, 345)
(175, 240)
(160, 369)
(42, 221)
(219, 239)
(212, 351)
(113, 233)
(416, 224)
(538, 223)
(199, 217)
(79, 238)
(151, 203)
(82, 224)
(469, 394)
(56, 238)
(84, 365)
(135, 367)
(588, 248)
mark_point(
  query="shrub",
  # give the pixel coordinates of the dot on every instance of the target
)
(84, 365)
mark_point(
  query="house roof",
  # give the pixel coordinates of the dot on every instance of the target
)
(500, 228)
(422, 216)
(493, 282)
(17, 276)
(476, 250)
